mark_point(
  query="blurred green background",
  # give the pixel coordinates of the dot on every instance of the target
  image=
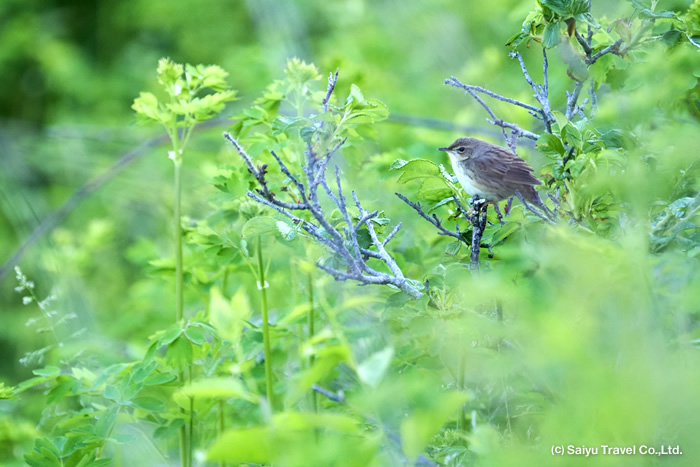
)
(608, 323)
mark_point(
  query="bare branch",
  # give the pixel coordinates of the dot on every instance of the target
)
(340, 397)
(594, 97)
(584, 44)
(545, 66)
(572, 99)
(285, 170)
(541, 93)
(516, 132)
(433, 220)
(452, 81)
(321, 170)
(613, 48)
(530, 208)
(332, 80)
(391, 234)
(342, 241)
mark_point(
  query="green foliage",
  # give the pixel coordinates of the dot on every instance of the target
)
(581, 333)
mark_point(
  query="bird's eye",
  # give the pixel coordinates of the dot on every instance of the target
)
(461, 149)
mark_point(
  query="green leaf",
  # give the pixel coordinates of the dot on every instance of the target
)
(552, 35)
(47, 371)
(566, 8)
(434, 189)
(195, 335)
(506, 230)
(257, 226)
(646, 13)
(180, 353)
(158, 379)
(298, 72)
(168, 431)
(105, 422)
(397, 164)
(416, 169)
(170, 334)
(147, 108)
(228, 317)
(372, 370)
(288, 232)
(572, 135)
(112, 392)
(355, 98)
(587, 18)
(550, 145)
(695, 40)
(243, 445)
(149, 403)
(284, 123)
(217, 388)
(452, 248)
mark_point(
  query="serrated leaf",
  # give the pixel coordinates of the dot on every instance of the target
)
(434, 189)
(550, 145)
(284, 123)
(567, 8)
(287, 231)
(257, 226)
(552, 35)
(452, 248)
(417, 169)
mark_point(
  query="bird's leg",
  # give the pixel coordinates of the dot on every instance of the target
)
(498, 213)
(509, 204)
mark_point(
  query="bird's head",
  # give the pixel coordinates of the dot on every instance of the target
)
(461, 149)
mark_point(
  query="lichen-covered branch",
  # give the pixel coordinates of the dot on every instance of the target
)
(433, 220)
(340, 239)
(516, 131)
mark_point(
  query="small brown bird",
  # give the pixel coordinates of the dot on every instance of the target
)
(491, 172)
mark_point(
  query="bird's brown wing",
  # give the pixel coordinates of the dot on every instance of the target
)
(499, 164)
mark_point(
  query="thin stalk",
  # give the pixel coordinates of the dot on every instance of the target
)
(266, 327)
(310, 321)
(190, 435)
(461, 418)
(221, 425)
(177, 201)
(178, 240)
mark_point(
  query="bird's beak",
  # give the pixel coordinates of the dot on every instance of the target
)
(443, 149)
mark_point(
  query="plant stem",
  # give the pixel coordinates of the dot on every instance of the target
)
(178, 240)
(266, 327)
(310, 320)
(221, 426)
(190, 435)
(177, 201)
(461, 417)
